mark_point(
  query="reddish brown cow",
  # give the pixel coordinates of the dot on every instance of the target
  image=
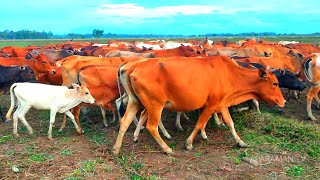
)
(157, 84)
(53, 79)
(71, 65)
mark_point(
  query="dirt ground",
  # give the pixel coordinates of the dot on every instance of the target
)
(88, 156)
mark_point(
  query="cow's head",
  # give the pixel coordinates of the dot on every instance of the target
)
(268, 88)
(83, 93)
(26, 74)
(288, 80)
(42, 64)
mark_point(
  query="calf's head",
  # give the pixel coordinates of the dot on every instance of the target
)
(83, 94)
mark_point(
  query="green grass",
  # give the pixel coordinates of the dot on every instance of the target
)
(42, 42)
(5, 139)
(66, 152)
(285, 134)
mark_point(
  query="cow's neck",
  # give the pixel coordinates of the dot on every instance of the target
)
(247, 89)
(72, 100)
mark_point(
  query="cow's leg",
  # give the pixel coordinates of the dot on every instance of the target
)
(103, 113)
(163, 130)
(128, 117)
(178, 118)
(203, 132)
(15, 121)
(22, 117)
(72, 117)
(63, 124)
(228, 121)
(142, 120)
(53, 113)
(204, 117)
(76, 116)
(185, 116)
(256, 104)
(310, 95)
(154, 118)
(217, 119)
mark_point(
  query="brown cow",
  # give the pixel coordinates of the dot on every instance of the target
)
(39, 64)
(158, 84)
(71, 65)
(311, 69)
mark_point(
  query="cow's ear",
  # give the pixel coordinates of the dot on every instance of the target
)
(262, 74)
(76, 86)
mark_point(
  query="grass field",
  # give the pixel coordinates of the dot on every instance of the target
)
(42, 42)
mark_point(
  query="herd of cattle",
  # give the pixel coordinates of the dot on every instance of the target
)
(180, 76)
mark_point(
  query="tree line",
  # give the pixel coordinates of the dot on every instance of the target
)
(96, 33)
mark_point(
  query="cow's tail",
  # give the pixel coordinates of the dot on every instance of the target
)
(122, 108)
(12, 96)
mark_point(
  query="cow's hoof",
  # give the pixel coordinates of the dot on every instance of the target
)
(80, 131)
(60, 130)
(188, 146)
(142, 127)
(168, 151)
(242, 144)
(115, 152)
(180, 129)
(312, 118)
(135, 139)
(205, 138)
(50, 138)
(16, 135)
(169, 137)
(31, 132)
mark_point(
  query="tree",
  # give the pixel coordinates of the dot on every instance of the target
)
(97, 33)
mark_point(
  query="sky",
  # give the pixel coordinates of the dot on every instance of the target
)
(185, 17)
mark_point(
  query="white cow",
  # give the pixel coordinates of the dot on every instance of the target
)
(172, 45)
(288, 42)
(148, 46)
(46, 97)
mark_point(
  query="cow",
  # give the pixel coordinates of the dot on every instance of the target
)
(39, 64)
(53, 79)
(311, 69)
(119, 53)
(288, 42)
(70, 66)
(101, 82)
(12, 74)
(48, 97)
(172, 45)
(157, 84)
(286, 80)
(305, 49)
(53, 55)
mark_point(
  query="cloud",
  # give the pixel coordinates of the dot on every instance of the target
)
(133, 10)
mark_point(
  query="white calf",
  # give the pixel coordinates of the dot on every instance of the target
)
(47, 97)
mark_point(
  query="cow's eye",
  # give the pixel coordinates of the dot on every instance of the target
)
(275, 84)
(86, 93)
(43, 62)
